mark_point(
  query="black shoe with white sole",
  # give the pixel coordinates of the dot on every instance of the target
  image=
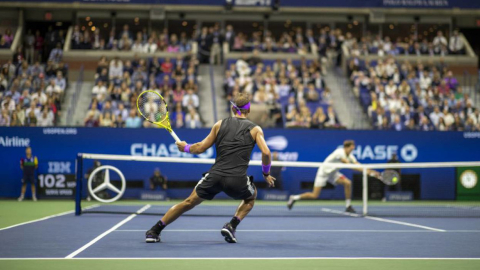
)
(229, 233)
(151, 236)
(350, 210)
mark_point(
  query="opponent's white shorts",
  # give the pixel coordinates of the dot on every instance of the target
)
(322, 178)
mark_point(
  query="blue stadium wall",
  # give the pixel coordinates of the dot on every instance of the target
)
(57, 148)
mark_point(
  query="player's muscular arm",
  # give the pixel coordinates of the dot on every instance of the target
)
(202, 146)
(260, 140)
(257, 134)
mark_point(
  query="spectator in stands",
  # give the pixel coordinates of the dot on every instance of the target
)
(4, 118)
(8, 36)
(125, 32)
(31, 119)
(439, 41)
(456, 44)
(150, 46)
(397, 125)
(29, 44)
(56, 54)
(133, 121)
(60, 82)
(205, 42)
(8, 103)
(192, 119)
(319, 118)
(99, 89)
(137, 46)
(106, 119)
(45, 119)
(190, 100)
(230, 36)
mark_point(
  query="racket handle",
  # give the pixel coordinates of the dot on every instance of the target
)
(175, 136)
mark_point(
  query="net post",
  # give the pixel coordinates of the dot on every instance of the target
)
(365, 191)
(79, 178)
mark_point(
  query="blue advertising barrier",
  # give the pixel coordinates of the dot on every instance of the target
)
(57, 148)
(466, 4)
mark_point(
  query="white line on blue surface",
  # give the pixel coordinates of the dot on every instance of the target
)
(118, 225)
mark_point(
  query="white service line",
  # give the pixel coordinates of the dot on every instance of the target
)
(383, 220)
(247, 258)
(405, 223)
(275, 231)
(76, 252)
(47, 217)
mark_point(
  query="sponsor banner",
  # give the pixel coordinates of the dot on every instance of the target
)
(56, 179)
(57, 149)
(399, 195)
(153, 195)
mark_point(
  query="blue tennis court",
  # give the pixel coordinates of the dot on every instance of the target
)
(122, 236)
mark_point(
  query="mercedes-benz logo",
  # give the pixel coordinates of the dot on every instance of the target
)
(106, 184)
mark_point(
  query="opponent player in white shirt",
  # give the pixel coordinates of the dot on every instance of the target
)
(331, 174)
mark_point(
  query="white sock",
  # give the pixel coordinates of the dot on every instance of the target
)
(348, 202)
(296, 197)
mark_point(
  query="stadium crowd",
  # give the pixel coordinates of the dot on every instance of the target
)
(402, 96)
(296, 41)
(31, 91)
(118, 84)
(140, 42)
(438, 46)
(294, 92)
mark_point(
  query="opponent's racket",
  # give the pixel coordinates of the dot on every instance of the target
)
(389, 177)
(153, 108)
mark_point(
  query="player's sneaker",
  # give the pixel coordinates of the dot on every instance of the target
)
(151, 236)
(291, 202)
(20, 198)
(229, 233)
(350, 210)
(34, 198)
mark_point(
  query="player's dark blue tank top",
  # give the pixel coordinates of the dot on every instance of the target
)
(234, 145)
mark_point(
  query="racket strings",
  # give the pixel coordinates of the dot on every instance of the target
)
(153, 108)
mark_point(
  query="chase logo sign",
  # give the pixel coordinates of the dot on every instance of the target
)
(408, 152)
(164, 150)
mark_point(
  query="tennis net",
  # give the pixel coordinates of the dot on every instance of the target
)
(446, 189)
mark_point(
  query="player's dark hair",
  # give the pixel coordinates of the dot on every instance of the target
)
(240, 100)
(348, 143)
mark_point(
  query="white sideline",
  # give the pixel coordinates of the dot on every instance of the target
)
(47, 217)
(383, 220)
(76, 252)
(247, 258)
(405, 223)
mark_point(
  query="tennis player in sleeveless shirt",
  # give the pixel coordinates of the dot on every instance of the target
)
(234, 139)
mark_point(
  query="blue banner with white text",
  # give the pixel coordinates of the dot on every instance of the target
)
(57, 148)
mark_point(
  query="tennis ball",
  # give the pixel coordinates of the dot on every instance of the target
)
(394, 180)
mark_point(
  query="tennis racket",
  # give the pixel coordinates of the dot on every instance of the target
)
(153, 108)
(389, 177)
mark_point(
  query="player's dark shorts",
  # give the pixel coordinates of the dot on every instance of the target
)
(239, 188)
(28, 179)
